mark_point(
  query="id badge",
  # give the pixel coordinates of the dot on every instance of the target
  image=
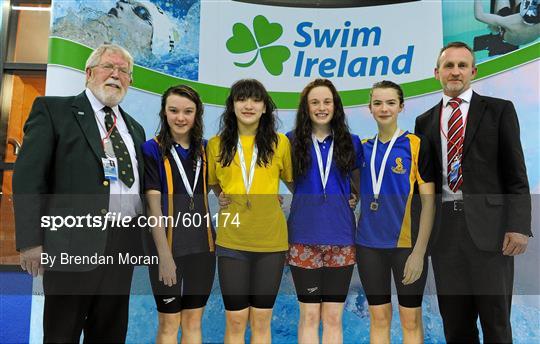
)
(454, 169)
(110, 168)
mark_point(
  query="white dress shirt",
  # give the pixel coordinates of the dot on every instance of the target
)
(447, 194)
(122, 200)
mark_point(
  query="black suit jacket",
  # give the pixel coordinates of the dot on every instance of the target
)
(495, 187)
(59, 172)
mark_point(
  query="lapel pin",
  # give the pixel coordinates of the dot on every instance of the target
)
(81, 113)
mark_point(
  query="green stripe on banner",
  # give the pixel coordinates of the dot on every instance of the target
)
(505, 62)
(71, 54)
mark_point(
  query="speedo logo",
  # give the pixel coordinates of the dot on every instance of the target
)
(169, 300)
(312, 290)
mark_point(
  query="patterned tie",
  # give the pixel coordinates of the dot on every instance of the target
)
(120, 150)
(455, 142)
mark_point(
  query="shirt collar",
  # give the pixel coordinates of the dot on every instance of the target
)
(465, 96)
(97, 105)
(327, 139)
(403, 134)
(179, 146)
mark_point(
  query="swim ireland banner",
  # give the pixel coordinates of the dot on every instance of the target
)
(287, 47)
(210, 44)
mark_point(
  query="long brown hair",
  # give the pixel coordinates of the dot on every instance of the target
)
(164, 135)
(301, 145)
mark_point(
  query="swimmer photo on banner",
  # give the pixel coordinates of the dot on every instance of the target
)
(492, 27)
(161, 35)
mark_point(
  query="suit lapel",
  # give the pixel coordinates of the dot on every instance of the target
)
(84, 114)
(474, 117)
(436, 134)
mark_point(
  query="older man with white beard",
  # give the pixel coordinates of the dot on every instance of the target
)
(81, 160)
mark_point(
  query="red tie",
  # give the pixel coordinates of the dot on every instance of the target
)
(455, 143)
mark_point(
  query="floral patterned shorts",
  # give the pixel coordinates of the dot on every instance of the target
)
(318, 256)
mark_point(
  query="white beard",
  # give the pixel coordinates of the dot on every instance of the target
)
(107, 98)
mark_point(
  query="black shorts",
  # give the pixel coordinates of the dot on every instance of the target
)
(325, 284)
(252, 282)
(194, 279)
(375, 267)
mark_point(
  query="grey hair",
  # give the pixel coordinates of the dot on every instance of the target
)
(95, 56)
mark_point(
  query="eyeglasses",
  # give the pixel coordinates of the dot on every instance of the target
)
(110, 68)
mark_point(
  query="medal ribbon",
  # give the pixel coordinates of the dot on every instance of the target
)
(183, 172)
(323, 174)
(376, 180)
(248, 180)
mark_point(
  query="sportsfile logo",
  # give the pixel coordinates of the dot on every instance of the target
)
(260, 41)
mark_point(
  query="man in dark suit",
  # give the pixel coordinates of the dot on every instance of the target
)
(81, 161)
(485, 215)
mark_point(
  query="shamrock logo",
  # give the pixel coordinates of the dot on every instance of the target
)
(266, 33)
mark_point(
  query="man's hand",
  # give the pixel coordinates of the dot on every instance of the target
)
(31, 260)
(514, 243)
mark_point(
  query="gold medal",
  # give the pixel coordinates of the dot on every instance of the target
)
(374, 206)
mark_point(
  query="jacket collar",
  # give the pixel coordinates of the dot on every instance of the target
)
(474, 117)
(84, 114)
